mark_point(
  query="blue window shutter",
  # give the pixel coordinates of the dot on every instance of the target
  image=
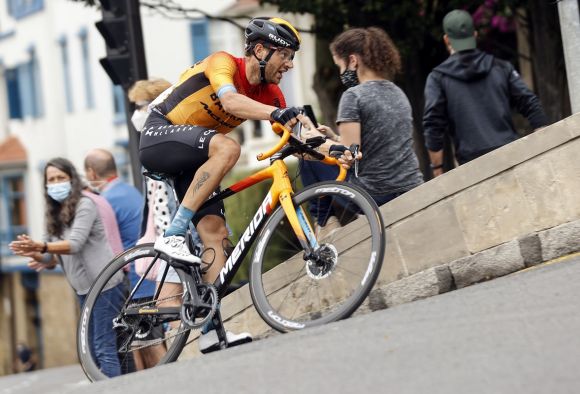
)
(66, 74)
(25, 89)
(21, 8)
(14, 101)
(35, 81)
(199, 40)
(89, 96)
(13, 205)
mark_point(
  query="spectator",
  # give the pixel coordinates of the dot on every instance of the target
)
(109, 221)
(25, 359)
(374, 113)
(159, 203)
(470, 94)
(126, 201)
(127, 204)
(75, 238)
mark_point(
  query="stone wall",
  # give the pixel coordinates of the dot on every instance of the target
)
(59, 311)
(479, 214)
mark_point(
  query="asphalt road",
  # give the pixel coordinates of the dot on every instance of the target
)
(516, 334)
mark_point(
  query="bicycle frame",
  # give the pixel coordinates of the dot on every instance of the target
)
(281, 191)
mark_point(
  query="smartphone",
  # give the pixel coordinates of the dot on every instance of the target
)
(310, 113)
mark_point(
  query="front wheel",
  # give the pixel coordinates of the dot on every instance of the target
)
(120, 329)
(292, 290)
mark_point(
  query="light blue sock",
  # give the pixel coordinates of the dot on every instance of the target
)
(180, 222)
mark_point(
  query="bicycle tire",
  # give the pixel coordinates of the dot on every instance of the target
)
(270, 288)
(111, 274)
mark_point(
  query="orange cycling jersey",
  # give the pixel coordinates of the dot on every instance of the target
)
(195, 99)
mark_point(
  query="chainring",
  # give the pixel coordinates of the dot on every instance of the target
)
(197, 316)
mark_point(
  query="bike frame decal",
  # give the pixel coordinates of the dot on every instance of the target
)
(306, 228)
(247, 239)
(280, 191)
(284, 322)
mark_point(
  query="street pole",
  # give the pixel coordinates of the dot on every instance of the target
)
(125, 62)
(569, 15)
(139, 67)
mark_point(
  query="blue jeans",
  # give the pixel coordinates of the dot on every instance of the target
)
(103, 340)
(312, 172)
(385, 198)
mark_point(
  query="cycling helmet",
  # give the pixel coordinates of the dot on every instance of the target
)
(276, 31)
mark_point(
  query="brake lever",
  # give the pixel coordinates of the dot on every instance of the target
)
(354, 149)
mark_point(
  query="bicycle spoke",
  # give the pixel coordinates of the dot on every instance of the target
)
(329, 285)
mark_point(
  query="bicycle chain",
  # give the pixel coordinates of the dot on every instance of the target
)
(161, 340)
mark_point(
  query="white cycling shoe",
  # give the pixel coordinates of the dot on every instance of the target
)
(210, 342)
(174, 246)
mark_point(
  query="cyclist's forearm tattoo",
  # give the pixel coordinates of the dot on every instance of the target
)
(201, 181)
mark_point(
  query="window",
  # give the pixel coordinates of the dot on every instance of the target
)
(89, 98)
(66, 73)
(119, 104)
(14, 102)
(199, 40)
(21, 8)
(12, 210)
(23, 89)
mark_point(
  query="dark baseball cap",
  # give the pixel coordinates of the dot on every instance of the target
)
(458, 25)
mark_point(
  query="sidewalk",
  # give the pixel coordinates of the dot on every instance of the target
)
(46, 381)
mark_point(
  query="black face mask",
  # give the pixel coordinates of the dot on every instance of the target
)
(349, 78)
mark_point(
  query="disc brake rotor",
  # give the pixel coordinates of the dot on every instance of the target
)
(323, 265)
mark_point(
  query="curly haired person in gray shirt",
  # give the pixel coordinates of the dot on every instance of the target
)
(374, 113)
(75, 238)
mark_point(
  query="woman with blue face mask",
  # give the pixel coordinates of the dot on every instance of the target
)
(75, 238)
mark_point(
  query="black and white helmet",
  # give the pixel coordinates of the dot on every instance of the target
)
(276, 31)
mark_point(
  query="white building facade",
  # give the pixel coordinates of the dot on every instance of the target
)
(56, 100)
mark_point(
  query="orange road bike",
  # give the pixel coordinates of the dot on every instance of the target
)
(297, 279)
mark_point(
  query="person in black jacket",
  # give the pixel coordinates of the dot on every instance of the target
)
(470, 96)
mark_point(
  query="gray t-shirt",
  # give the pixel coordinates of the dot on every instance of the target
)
(389, 164)
(90, 249)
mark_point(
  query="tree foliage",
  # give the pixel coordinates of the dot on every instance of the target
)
(414, 25)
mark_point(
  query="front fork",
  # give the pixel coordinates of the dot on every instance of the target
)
(300, 223)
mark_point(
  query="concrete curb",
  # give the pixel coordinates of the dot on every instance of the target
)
(501, 260)
(560, 240)
(488, 264)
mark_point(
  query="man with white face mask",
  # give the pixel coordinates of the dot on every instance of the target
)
(126, 201)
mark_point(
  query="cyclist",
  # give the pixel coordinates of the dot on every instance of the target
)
(185, 134)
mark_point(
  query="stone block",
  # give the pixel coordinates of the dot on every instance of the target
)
(492, 263)
(433, 281)
(59, 314)
(566, 169)
(374, 302)
(531, 249)
(560, 240)
(430, 237)
(509, 155)
(393, 265)
(414, 200)
(493, 212)
(542, 191)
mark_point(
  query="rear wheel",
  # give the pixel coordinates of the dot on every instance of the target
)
(121, 330)
(294, 291)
